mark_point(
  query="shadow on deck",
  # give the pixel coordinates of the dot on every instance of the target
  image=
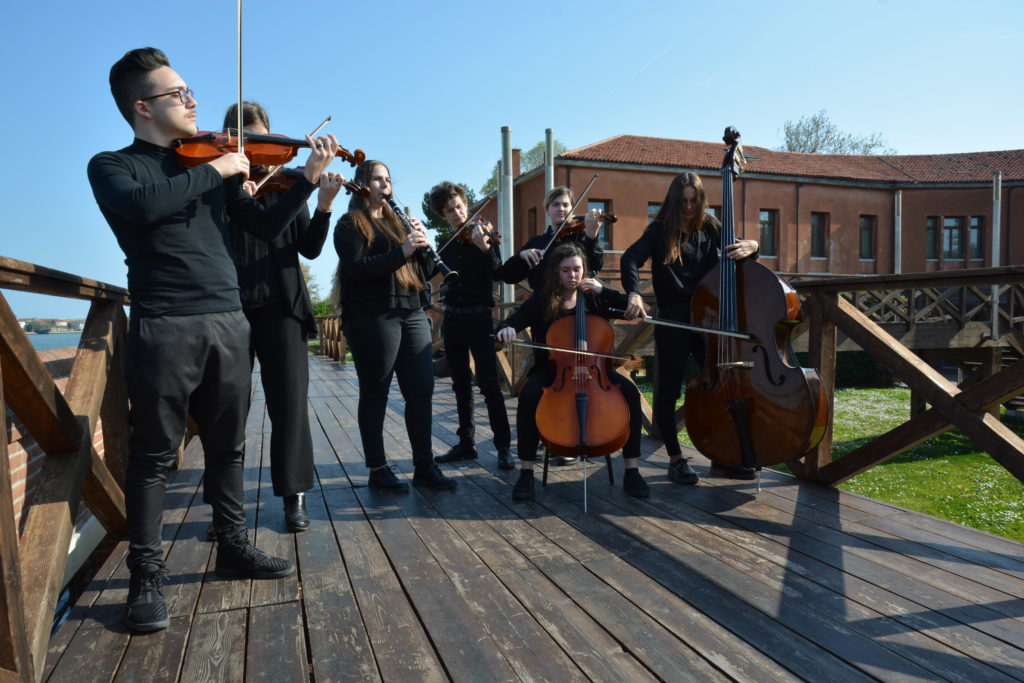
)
(713, 582)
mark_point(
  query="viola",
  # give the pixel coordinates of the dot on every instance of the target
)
(283, 178)
(752, 405)
(582, 413)
(262, 149)
(577, 223)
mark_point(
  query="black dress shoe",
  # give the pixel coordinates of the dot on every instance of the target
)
(432, 477)
(384, 479)
(505, 459)
(295, 516)
(463, 450)
(726, 471)
(680, 472)
(634, 485)
(523, 489)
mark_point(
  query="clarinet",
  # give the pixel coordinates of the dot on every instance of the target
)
(447, 272)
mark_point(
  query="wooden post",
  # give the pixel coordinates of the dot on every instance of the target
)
(821, 356)
(14, 652)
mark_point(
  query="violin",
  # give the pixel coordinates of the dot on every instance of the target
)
(262, 149)
(577, 223)
(582, 413)
(752, 405)
(466, 234)
(283, 178)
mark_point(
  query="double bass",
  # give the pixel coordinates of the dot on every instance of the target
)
(752, 405)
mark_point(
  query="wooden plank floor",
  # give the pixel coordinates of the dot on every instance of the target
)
(706, 583)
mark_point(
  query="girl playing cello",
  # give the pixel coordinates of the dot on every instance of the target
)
(563, 287)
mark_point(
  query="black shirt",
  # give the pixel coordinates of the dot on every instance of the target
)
(172, 224)
(516, 269)
(366, 272)
(675, 282)
(478, 271)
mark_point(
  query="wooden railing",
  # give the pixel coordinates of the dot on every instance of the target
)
(854, 306)
(31, 569)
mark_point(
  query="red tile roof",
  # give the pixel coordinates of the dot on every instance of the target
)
(970, 167)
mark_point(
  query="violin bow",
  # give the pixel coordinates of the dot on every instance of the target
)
(469, 220)
(568, 217)
(274, 169)
(238, 130)
(688, 326)
(564, 349)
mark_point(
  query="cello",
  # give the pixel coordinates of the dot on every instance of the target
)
(752, 405)
(582, 413)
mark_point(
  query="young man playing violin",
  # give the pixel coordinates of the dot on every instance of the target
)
(468, 324)
(565, 286)
(188, 342)
(531, 262)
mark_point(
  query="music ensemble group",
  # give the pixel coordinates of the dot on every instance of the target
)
(215, 280)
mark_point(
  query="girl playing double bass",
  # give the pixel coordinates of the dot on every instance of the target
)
(561, 290)
(683, 243)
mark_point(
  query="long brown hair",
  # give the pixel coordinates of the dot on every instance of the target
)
(551, 288)
(359, 212)
(675, 229)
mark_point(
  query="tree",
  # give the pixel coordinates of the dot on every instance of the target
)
(818, 135)
(529, 160)
(435, 221)
(312, 286)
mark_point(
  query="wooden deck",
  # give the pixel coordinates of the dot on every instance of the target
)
(714, 582)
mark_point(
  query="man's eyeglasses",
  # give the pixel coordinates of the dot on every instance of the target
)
(184, 94)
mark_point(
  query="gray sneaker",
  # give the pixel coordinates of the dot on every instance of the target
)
(680, 472)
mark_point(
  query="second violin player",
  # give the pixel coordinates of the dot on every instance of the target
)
(468, 324)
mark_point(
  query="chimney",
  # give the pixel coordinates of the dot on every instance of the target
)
(516, 169)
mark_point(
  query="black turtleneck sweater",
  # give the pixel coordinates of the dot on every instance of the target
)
(172, 224)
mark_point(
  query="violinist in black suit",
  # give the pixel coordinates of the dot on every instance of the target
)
(280, 313)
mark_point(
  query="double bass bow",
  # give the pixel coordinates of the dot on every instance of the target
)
(752, 405)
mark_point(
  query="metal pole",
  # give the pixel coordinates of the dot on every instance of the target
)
(997, 196)
(897, 251)
(507, 232)
(549, 168)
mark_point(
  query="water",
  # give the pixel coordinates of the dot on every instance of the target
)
(44, 342)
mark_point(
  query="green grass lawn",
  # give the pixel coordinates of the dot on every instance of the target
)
(946, 476)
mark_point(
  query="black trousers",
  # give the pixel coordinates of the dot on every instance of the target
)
(529, 398)
(279, 341)
(175, 365)
(672, 348)
(394, 342)
(463, 335)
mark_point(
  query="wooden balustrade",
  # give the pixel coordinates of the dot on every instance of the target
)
(32, 567)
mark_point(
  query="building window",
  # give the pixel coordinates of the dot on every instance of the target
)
(867, 237)
(975, 239)
(768, 220)
(819, 234)
(652, 210)
(715, 211)
(604, 233)
(953, 237)
(931, 238)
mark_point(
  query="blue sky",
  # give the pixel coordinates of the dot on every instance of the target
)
(426, 87)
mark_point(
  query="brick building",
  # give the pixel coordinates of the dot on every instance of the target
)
(826, 213)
